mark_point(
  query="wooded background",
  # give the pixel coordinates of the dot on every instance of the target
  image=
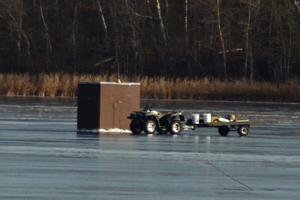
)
(233, 39)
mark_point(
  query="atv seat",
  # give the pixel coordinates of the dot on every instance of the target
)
(162, 114)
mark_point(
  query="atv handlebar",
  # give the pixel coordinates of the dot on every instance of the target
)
(149, 107)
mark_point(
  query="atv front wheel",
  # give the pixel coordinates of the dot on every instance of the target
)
(149, 126)
(175, 127)
(136, 126)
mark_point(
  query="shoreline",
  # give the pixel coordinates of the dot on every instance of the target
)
(152, 100)
(206, 89)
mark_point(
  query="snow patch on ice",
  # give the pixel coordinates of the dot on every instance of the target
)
(112, 130)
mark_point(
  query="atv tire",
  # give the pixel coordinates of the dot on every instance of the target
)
(136, 127)
(149, 126)
(175, 127)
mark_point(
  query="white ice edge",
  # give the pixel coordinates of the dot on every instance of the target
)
(112, 130)
(110, 83)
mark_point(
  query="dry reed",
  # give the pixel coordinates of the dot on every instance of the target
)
(61, 84)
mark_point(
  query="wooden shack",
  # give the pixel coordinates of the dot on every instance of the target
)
(106, 105)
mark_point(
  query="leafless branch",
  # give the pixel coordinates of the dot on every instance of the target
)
(103, 61)
(137, 14)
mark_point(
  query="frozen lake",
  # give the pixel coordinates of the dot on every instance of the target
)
(43, 157)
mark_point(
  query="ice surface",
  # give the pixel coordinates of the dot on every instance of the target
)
(44, 157)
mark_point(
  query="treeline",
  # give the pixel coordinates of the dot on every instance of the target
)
(228, 40)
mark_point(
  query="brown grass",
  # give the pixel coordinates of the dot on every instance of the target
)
(154, 88)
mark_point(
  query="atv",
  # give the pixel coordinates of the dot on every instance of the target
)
(150, 120)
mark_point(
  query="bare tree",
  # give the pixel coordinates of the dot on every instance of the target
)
(247, 37)
(163, 33)
(222, 40)
(74, 35)
(172, 37)
(161, 23)
(113, 14)
(17, 20)
(167, 18)
(48, 41)
(252, 43)
(186, 6)
(289, 52)
(150, 14)
(285, 29)
(250, 52)
(133, 38)
(104, 23)
(20, 24)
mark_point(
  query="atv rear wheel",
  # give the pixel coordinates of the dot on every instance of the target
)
(149, 126)
(175, 127)
(136, 126)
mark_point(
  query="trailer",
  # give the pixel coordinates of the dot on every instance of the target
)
(150, 120)
(224, 128)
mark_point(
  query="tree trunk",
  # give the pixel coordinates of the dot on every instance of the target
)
(56, 13)
(247, 39)
(251, 64)
(163, 33)
(116, 36)
(289, 52)
(167, 19)
(161, 23)
(222, 40)
(19, 43)
(150, 14)
(186, 8)
(74, 36)
(186, 26)
(12, 68)
(104, 24)
(270, 57)
(133, 38)
(48, 42)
